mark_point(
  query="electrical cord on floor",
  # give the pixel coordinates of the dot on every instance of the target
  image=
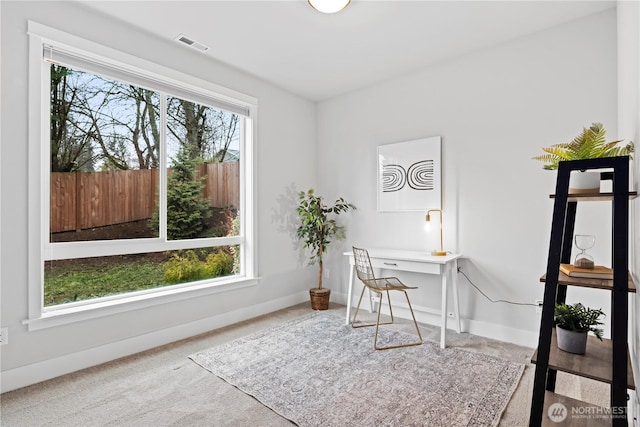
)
(485, 295)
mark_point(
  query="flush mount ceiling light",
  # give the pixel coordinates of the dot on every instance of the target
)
(329, 6)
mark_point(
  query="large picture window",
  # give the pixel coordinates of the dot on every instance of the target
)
(147, 182)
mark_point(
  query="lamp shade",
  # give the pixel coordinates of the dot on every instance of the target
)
(329, 6)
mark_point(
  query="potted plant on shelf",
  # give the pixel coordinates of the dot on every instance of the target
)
(573, 322)
(316, 230)
(589, 144)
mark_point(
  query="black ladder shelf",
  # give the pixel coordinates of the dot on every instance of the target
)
(606, 361)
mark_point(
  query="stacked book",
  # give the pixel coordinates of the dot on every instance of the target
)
(597, 272)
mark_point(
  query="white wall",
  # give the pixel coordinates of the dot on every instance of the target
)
(286, 129)
(494, 110)
(629, 127)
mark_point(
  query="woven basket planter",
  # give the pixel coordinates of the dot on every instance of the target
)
(319, 298)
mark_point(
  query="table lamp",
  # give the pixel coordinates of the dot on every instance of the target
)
(441, 252)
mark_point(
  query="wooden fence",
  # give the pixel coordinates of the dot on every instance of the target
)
(81, 200)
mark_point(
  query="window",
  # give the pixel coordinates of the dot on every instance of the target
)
(144, 180)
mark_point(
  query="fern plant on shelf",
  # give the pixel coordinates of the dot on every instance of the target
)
(591, 143)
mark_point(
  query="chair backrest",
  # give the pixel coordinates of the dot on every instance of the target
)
(363, 265)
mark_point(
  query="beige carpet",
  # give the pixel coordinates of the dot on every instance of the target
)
(162, 387)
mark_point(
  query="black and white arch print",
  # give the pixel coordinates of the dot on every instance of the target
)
(419, 176)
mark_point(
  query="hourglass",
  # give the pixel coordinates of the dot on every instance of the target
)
(584, 242)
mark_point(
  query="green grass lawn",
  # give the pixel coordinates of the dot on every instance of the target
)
(81, 279)
(78, 281)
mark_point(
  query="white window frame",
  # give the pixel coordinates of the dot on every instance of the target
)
(40, 248)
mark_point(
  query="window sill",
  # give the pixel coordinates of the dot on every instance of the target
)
(53, 317)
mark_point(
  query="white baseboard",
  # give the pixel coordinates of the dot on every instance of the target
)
(48, 369)
(475, 327)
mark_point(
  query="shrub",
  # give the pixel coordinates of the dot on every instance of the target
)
(218, 264)
(186, 266)
(235, 249)
(182, 267)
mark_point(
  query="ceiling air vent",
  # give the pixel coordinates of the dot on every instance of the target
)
(192, 43)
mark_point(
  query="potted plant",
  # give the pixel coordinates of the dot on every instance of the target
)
(589, 144)
(316, 230)
(573, 322)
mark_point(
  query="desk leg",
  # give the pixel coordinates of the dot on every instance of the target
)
(443, 315)
(350, 293)
(454, 284)
(372, 302)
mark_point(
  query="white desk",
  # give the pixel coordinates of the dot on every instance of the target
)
(419, 262)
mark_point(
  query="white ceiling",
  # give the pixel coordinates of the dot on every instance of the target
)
(319, 56)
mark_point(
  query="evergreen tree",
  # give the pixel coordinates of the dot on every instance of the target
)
(187, 210)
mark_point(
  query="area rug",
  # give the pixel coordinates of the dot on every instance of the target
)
(317, 371)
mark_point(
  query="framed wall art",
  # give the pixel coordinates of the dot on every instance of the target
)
(409, 175)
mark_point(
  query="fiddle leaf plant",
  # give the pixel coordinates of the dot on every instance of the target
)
(578, 318)
(589, 144)
(316, 228)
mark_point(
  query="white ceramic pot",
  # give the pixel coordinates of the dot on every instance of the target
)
(571, 341)
(584, 182)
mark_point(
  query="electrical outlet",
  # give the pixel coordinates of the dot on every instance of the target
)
(326, 273)
(4, 336)
(539, 306)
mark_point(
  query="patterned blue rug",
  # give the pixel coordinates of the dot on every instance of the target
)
(317, 371)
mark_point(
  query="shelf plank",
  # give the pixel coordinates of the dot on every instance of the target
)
(580, 418)
(594, 197)
(607, 284)
(596, 363)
